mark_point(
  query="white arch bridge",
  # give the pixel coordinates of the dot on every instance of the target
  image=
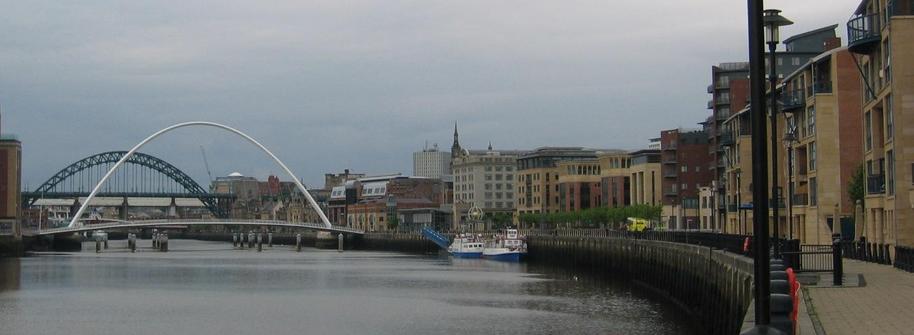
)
(183, 223)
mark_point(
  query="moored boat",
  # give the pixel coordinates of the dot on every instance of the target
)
(508, 247)
(466, 246)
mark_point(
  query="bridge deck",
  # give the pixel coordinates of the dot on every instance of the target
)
(205, 222)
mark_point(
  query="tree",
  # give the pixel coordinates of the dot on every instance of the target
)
(856, 187)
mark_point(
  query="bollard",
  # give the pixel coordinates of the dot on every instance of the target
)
(297, 242)
(234, 240)
(270, 239)
(165, 242)
(838, 266)
(339, 239)
(259, 243)
(98, 246)
(251, 240)
(106, 243)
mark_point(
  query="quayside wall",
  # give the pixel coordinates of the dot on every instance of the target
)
(713, 287)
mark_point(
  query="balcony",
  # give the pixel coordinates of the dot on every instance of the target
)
(668, 147)
(723, 100)
(780, 203)
(792, 100)
(670, 161)
(822, 86)
(726, 139)
(875, 184)
(800, 199)
(900, 7)
(710, 88)
(710, 104)
(863, 33)
(671, 192)
(670, 175)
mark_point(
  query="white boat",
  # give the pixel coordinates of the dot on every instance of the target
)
(466, 246)
(509, 247)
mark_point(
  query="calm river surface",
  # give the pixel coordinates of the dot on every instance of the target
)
(209, 288)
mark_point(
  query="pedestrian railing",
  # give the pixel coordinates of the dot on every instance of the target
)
(867, 252)
(810, 258)
(904, 258)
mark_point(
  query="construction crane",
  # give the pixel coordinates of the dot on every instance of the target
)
(206, 163)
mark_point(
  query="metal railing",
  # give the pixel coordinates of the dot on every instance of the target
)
(904, 258)
(810, 257)
(867, 252)
(727, 242)
(823, 86)
(793, 99)
(863, 29)
(800, 199)
(900, 7)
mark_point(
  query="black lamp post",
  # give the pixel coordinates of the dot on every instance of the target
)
(790, 137)
(761, 263)
(773, 21)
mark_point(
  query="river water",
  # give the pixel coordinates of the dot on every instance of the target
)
(209, 288)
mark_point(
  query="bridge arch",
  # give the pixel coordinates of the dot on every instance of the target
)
(75, 221)
(139, 158)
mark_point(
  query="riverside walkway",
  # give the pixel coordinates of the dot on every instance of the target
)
(882, 305)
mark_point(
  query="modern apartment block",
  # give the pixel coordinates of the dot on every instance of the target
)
(538, 177)
(615, 178)
(820, 105)
(644, 174)
(729, 91)
(731, 135)
(684, 156)
(579, 184)
(431, 163)
(881, 35)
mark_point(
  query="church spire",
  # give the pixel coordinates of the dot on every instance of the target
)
(456, 150)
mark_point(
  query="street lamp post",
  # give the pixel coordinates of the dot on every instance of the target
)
(789, 138)
(773, 20)
(761, 265)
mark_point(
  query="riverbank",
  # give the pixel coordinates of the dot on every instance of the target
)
(712, 286)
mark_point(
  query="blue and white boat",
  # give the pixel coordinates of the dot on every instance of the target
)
(508, 247)
(466, 246)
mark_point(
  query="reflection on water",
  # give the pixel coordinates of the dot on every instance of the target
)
(208, 288)
(9, 274)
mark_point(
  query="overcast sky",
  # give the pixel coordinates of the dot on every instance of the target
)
(329, 85)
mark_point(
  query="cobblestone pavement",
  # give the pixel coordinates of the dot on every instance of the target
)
(885, 305)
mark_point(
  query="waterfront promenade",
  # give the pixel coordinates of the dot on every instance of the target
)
(881, 306)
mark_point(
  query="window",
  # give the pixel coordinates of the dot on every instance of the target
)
(811, 121)
(868, 128)
(889, 118)
(890, 172)
(698, 168)
(498, 169)
(488, 187)
(488, 177)
(488, 168)
(795, 61)
(497, 186)
(812, 156)
(488, 196)
(508, 168)
(498, 176)
(685, 186)
(685, 168)
(780, 61)
(813, 192)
